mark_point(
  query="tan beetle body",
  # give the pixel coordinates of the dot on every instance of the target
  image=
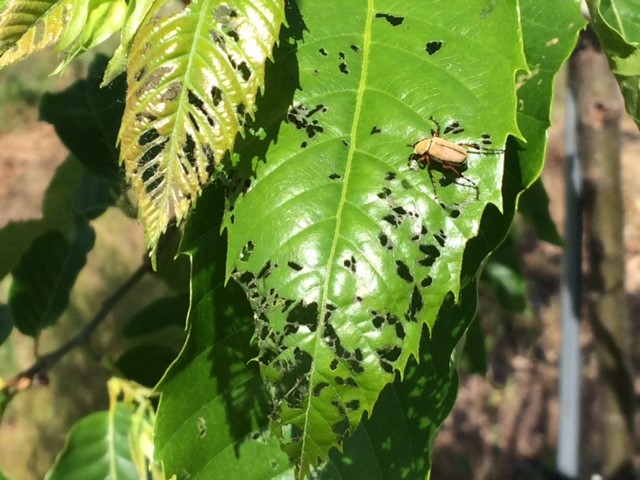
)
(449, 155)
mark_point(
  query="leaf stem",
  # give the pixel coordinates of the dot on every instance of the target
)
(36, 374)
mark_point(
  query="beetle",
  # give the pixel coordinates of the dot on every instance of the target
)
(448, 156)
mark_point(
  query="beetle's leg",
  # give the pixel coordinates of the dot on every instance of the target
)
(436, 132)
(451, 168)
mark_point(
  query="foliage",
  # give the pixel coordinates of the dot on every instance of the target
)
(331, 279)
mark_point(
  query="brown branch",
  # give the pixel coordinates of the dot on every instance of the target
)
(37, 373)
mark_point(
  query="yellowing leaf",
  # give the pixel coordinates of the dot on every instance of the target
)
(30, 26)
(192, 75)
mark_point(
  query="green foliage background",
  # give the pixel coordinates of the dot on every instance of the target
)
(360, 268)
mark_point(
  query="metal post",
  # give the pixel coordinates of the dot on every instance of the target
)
(570, 365)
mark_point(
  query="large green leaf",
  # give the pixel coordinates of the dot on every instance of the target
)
(192, 76)
(345, 250)
(44, 276)
(28, 26)
(617, 23)
(212, 416)
(98, 447)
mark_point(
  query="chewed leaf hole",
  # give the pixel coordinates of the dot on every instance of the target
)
(246, 251)
(433, 46)
(393, 20)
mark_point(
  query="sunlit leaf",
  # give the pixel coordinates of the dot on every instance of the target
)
(617, 23)
(192, 75)
(28, 26)
(345, 248)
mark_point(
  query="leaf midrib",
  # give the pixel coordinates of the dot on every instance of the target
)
(332, 252)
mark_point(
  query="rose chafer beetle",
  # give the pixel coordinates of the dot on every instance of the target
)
(447, 156)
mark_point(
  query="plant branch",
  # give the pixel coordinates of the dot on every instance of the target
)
(36, 374)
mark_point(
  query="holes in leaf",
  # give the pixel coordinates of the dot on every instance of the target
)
(393, 20)
(294, 383)
(266, 270)
(375, 130)
(151, 153)
(453, 128)
(415, 305)
(211, 158)
(216, 95)
(189, 150)
(247, 250)
(350, 263)
(244, 70)
(343, 68)
(319, 387)
(431, 254)
(334, 364)
(391, 219)
(400, 333)
(300, 117)
(294, 266)
(403, 271)
(384, 240)
(433, 46)
(426, 281)
(384, 193)
(303, 145)
(148, 136)
(303, 316)
(440, 237)
(341, 55)
(486, 139)
(353, 404)
(355, 48)
(323, 52)
(200, 106)
(335, 176)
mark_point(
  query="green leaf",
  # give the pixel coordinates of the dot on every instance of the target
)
(137, 11)
(163, 313)
(397, 441)
(97, 447)
(145, 364)
(184, 108)
(504, 273)
(534, 204)
(28, 26)
(6, 324)
(344, 249)
(617, 24)
(97, 21)
(87, 117)
(474, 355)
(44, 276)
(213, 411)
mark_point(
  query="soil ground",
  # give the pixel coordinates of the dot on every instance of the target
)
(503, 426)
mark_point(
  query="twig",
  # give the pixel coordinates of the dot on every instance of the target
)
(37, 373)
